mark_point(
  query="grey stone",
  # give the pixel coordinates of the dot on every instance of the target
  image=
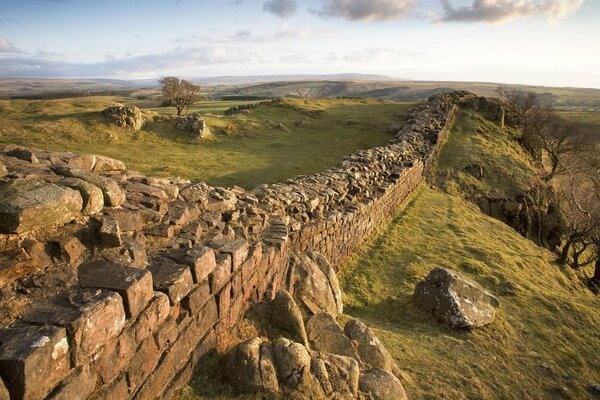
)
(286, 315)
(370, 349)
(93, 199)
(377, 384)
(455, 299)
(27, 204)
(325, 335)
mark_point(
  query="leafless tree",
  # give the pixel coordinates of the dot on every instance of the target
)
(179, 93)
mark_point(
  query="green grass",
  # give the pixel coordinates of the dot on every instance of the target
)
(473, 140)
(249, 149)
(543, 339)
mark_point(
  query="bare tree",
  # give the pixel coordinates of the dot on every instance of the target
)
(579, 200)
(179, 93)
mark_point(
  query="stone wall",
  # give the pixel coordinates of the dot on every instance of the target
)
(114, 285)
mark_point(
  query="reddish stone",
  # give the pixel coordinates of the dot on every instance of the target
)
(92, 319)
(198, 297)
(134, 285)
(238, 249)
(201, 260)
(151, 318)
(80, 383)
(116, 390)
(224, 299)
(174, 280)
(222, 273)
(143, 362)
(33, 359)
(114, 357)
(69, 248)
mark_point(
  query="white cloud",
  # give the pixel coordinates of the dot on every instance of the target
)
(248, 36)
(366, 10)
(384, 55)
(281, 8)
(501, 11)
(7, 47)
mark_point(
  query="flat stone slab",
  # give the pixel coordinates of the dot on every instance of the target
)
(133, 284)
(175, 280)
(26, 205)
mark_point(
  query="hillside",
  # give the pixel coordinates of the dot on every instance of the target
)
(545, 330)
(264, 145)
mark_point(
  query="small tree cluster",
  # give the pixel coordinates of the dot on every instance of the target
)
(179, 93)
(569, 162)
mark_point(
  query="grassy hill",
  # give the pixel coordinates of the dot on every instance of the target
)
(262, 146)
(543, 342)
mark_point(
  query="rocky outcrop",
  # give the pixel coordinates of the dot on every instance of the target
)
(124, 116)
(193, 124)
(455, 299)
(332, 367)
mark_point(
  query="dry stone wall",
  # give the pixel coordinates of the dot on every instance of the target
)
(114, 285)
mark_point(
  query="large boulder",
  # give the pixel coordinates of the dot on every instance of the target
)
(286, 315)
(193, 124)
(455, 299)
(370, 349)
(314, 285)
(378, 384)
(124, 116)
(28, 204)
(249, 367)
(289, 369)
(325, 335)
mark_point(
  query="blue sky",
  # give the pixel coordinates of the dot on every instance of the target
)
(548, 42)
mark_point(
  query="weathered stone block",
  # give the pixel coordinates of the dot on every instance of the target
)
(116, 390)
(109, 232)
(68, 248)
(114, 357)
(201, 261)
(143, 362)
(222, 273)
(79, 384)
(26, 205)
(114, 196)
(175, 280)
(151, 318)
(198, 297)
(134, 285)
(91, 319)
(93, 199)
(238, 249)
(33, 360)
(456, 300)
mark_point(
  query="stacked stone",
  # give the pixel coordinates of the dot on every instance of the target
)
(118, 283)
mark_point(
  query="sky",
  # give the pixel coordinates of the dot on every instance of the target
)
(542, 42)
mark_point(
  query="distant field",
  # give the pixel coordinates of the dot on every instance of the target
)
(590, 120)
(262, 146)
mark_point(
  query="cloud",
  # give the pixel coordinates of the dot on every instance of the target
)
(177, 60)
(7, 47)
(385, 55)
(502, 11)
(248, 36)
(281, 8)
(366, 10)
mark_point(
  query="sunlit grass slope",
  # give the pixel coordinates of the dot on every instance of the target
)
(475, 141)
(262, 146)
(544, 341)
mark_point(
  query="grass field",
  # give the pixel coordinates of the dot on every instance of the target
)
(543, 342)
(507, 171)
(262, 146)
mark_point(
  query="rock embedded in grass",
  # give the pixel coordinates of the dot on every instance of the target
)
(456, 300)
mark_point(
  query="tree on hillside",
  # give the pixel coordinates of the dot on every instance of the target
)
(179, 93)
